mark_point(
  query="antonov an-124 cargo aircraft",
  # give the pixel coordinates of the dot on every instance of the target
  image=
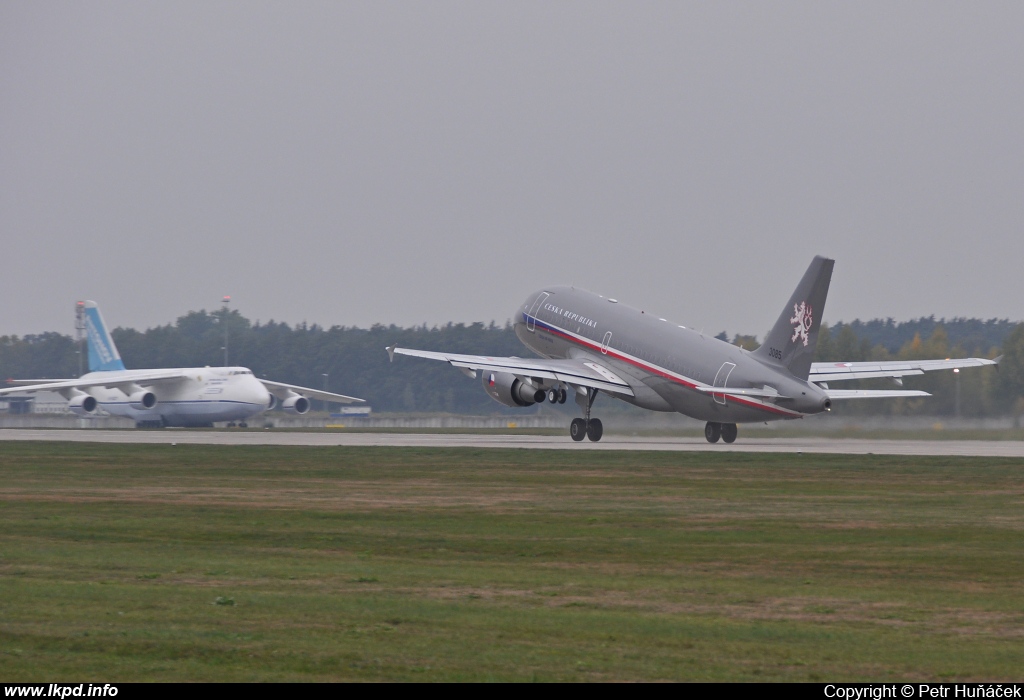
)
(589, 343)
(182, 397)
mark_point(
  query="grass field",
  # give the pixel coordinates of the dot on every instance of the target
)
(146, 562)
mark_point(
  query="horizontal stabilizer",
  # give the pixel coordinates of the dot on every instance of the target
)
(840, 394)
(839, 371)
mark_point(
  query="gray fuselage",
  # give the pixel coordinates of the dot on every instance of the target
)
(663, 363)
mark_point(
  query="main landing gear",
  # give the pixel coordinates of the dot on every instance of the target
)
(158, 423)
(585, 427)
(580, 428)
(725, 431)
(557, 395)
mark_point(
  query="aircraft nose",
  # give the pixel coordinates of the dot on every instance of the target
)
(259, 394)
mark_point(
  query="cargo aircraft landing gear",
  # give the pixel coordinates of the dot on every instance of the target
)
(726, 431)
(586, 427)
(158, 423)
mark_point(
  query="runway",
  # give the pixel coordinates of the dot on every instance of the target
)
(964, 448)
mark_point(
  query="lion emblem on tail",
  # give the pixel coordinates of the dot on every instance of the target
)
(802, 321)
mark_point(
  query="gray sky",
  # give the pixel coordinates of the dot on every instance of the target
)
(352, 163)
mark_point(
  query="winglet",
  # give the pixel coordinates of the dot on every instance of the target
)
(996, 361)
(391, 351)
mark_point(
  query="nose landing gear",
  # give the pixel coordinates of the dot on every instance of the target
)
(726, 431)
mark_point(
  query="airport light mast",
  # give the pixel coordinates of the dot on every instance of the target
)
(224, 321)
(956, 375)
(79, 332)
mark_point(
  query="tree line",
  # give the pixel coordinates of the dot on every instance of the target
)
(353, 361)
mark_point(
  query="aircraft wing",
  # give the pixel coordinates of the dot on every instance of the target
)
(841, 394)
(765, 393)
(281, 391)
(575, 372)
(841, 371)
(115, 379)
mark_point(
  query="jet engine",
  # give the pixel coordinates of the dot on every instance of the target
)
(82, 405)
(296, 405)
(272, 402)
(507, 389)
(142, 400)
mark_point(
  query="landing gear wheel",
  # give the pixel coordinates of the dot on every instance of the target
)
(713, 431)
(729, 433)
(562, 394)
(243, 424)
(595, 430)
(553, 396)
(578, 429)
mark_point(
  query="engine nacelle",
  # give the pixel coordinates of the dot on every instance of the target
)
(82, 405)
(142, 400)
(272, 402)
(296, 405)
(508, 390)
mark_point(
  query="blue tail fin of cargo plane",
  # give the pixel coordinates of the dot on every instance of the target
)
(103, 355)
(793, 338)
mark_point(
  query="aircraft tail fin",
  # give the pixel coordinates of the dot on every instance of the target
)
(793, 338)
(103, 355)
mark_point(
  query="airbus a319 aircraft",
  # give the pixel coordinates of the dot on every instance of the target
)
(588, 344)
(183, 397)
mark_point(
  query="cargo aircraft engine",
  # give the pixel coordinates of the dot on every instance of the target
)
(142, 400)
(296, 405)
(82, 405)
(507, 389)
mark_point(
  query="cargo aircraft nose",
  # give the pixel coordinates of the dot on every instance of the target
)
(257, 394)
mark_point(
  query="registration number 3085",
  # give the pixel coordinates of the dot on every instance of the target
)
(773, 352)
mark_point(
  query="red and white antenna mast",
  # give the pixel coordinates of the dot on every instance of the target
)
(79, 332)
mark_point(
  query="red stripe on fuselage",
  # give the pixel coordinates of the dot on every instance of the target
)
(654, 369)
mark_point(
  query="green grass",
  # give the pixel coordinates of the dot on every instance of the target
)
(135, 562)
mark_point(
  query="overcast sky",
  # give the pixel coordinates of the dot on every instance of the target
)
(356, 163)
